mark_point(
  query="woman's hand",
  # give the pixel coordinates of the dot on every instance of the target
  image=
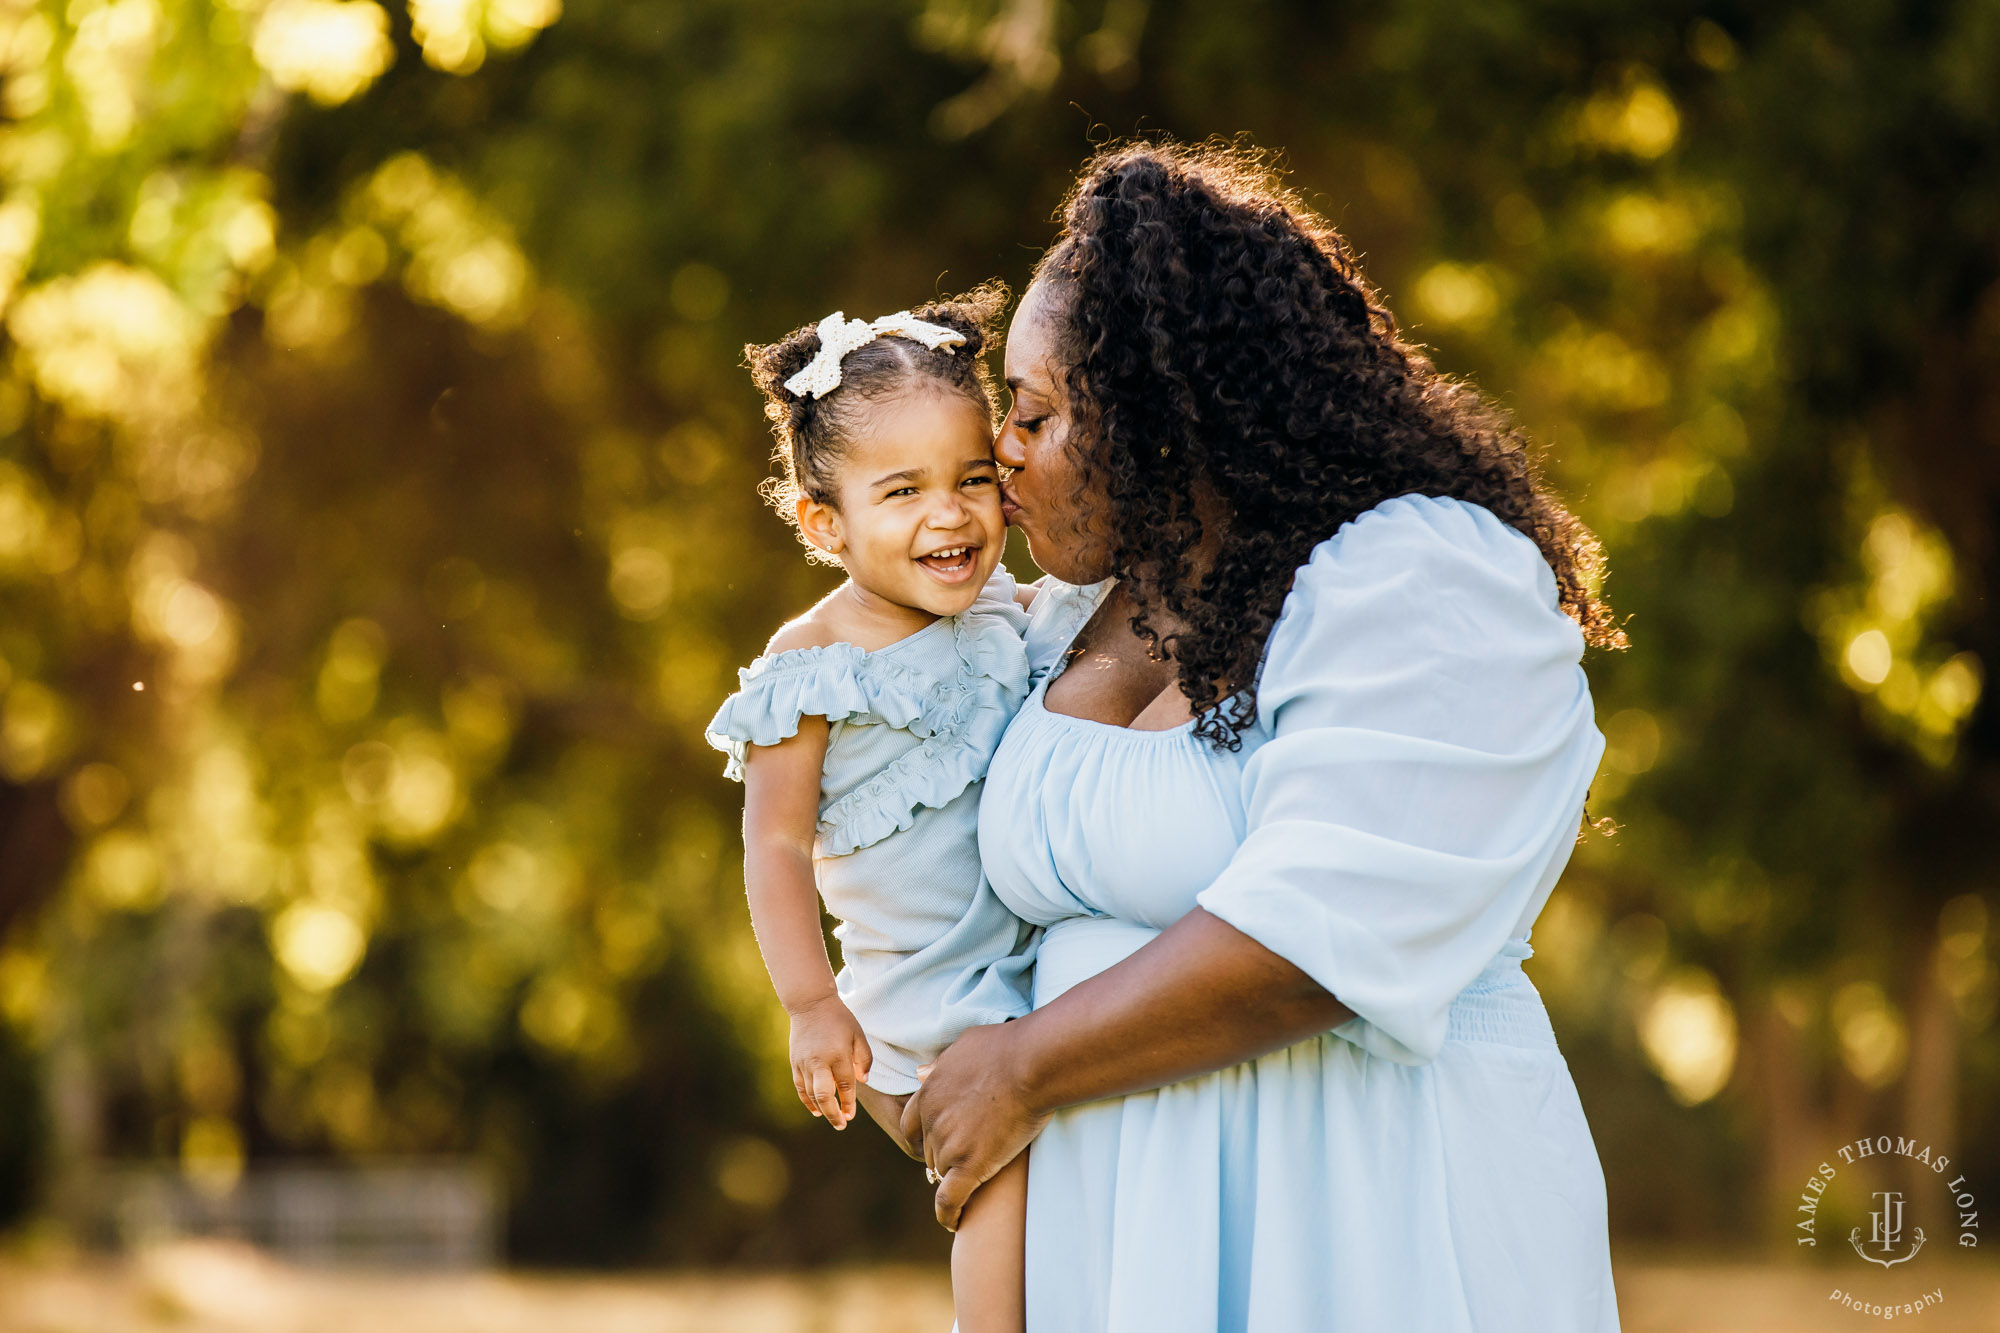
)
(830, 1056)
(1200, 997)
(971, 1116)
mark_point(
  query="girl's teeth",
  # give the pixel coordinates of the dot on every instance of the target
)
(950, 560)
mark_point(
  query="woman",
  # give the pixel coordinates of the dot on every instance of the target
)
(1310, 753)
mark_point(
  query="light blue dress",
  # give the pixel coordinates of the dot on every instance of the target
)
(1392, 825)
(926, 950)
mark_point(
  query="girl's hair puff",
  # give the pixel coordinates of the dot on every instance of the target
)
(813, 433)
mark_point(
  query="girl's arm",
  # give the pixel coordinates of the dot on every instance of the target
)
(780, 811)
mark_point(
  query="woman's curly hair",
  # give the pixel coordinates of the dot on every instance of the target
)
(1227, 358)
(813, 433)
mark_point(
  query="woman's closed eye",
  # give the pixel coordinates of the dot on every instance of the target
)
(1029, 425)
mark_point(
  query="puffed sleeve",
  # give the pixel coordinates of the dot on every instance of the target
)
(1431, 743)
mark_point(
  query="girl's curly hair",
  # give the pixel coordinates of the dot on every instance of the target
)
(1227, 361)
(813, 433)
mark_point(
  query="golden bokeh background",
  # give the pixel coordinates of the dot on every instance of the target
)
(378, 527)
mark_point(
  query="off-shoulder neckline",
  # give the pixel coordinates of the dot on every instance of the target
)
(1038, 702)
(1040, 705)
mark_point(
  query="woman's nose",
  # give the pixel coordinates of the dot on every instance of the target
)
(1008, 450)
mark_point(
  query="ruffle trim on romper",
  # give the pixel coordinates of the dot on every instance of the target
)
(842, 683)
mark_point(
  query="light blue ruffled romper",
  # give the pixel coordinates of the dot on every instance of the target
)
(926, 949)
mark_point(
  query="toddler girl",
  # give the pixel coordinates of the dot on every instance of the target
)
(862, 734)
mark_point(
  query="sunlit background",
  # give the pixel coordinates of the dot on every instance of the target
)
(378, 526)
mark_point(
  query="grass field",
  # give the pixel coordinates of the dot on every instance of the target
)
(210, 1288)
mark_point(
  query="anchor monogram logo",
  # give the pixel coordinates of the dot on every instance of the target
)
(1886, 1232)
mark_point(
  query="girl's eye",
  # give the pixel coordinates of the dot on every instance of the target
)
(902, 490)
(978, 481)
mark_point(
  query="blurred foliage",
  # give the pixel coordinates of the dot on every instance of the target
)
(377, 527)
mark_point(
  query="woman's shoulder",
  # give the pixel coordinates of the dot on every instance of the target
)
(1420, 585)
(1430, 540)
(1421, 560)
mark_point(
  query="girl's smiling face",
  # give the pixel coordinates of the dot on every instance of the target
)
(917, 521)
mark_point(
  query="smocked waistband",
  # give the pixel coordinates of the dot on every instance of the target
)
(1502, 1006)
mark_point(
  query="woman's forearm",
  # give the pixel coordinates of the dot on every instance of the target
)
(1201, 997)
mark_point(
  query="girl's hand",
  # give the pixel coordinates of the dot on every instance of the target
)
(830, 1056)
(972, 1115)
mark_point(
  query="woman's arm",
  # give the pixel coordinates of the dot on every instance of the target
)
(1201, 997)
(780, 811)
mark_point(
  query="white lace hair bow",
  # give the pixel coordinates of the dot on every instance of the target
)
(839, 335)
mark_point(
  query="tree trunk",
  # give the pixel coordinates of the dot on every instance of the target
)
(1788, 1129)
(1930, 1090)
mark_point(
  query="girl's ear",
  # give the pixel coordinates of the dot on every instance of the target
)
(821, 525)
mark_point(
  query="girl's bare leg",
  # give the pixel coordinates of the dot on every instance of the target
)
(886, 1110)
(988, 1258)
